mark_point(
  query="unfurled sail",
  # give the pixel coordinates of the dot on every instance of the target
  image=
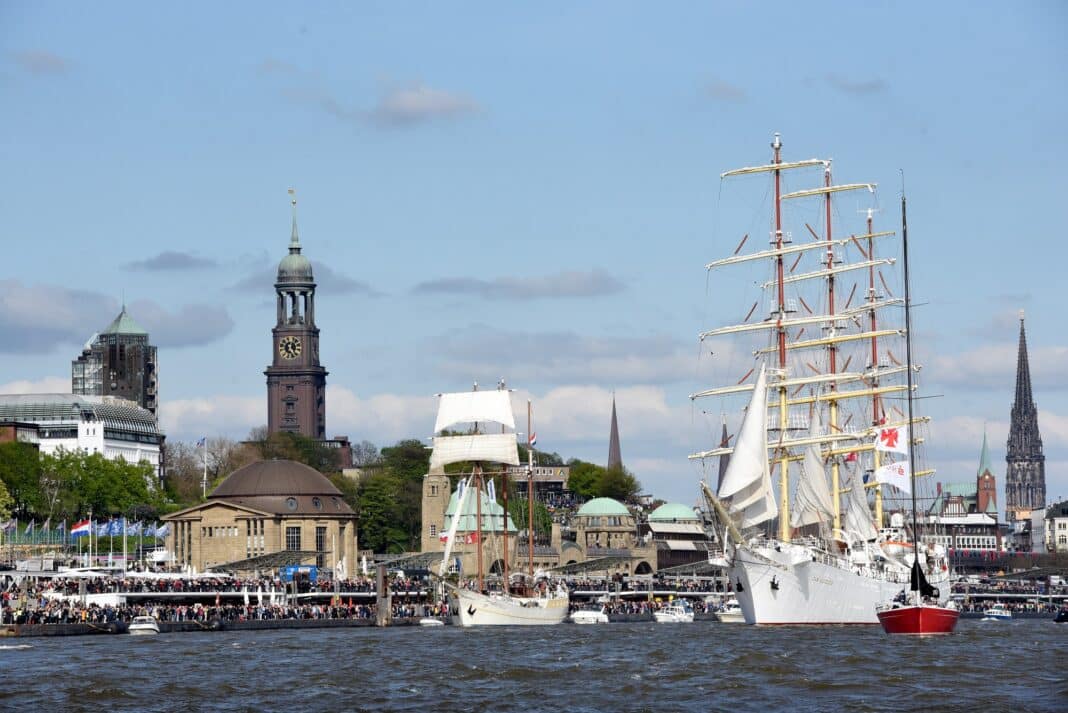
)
(747, 480)
(493, 407)
(474, 407)
(812, 500)
(491, 447)
(858, 519)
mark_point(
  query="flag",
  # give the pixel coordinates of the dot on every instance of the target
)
(62, 526)
(163, 530)
(852, 457)
(491, 490)
(101, 529)
(892, 440)
(115, 527)
(444, 537)
(150, 531)
(81, 528)
(29, 528)
(47, 524)
(202, 441)
(533, 439)
(8, 526)
(896, 474)
(472, 538)
(135, 529)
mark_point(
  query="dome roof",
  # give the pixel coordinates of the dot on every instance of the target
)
(274, 477)
(603, 506)
(669, 512)
(294, 267)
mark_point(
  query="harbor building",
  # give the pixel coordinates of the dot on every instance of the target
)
(118, 361)
(114, 427)
(679, 536)
(266, 514)
(1025, 476)
(1057, 527)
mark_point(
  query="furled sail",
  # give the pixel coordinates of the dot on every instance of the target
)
(492, 447)
(812, 500)
(747, 480)
(462, 489)
(858, 519)
(474, 407)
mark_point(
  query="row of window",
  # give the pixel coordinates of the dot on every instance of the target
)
(254, 545)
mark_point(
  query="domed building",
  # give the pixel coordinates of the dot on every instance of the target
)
(606, 530)
(265, 515)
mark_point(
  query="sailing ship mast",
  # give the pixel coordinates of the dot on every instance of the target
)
(908, 362)
(530, 495)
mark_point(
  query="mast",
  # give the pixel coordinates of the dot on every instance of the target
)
(876, 406)
(504, 541)
(784, 456)
(530, 495)
(478, 520)
(908, 362)
(832, 351)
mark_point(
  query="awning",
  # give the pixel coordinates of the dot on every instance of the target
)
(677, 528)
(272, 560)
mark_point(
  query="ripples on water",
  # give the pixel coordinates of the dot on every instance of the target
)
(1018, 666)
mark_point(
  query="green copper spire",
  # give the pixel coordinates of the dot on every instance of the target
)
(124, 324)
(984, 458)
(294, 239)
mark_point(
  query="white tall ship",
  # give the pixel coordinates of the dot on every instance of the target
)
(824, 371)
(525, 603)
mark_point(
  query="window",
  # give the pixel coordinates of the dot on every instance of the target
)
(433, 491)
(291, 503)
(293, 538)
(433, 530)
(320, 545)
(318, 504)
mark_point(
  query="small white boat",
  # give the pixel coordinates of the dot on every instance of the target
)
(998, 612)
(589, 616)
(678, 611)
(431, 621)
(731, 613)
(143, 626)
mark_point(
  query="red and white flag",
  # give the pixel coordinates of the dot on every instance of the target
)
(896, 474)
(472, 538)
(892, 440)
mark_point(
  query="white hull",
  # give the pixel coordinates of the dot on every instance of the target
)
(143, 626)
(587, 616)
(673, 618)
(474, 609)
(785, 583)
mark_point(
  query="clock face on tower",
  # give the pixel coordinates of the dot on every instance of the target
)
(289, 347)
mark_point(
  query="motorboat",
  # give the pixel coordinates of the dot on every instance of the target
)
(677, 611)
(143, 626)
(431, 621)
(998, 612)
(589, 616)
(731, 613)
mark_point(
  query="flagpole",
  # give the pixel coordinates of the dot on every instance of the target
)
(92, 531)
(204, 481)
(124, 547)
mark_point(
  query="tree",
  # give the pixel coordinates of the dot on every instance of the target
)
(518, 510)
(294, 446)
(20, 471)
(408, 459)
(365, 454)
(618, 484)
(380, 514)
(584, 479)
(540, 457)
(5, 502)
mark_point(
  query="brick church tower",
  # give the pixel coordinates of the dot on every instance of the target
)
(986, 488)
(1025, 476)
(296, 381)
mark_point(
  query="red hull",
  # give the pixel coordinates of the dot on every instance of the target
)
(919, 620)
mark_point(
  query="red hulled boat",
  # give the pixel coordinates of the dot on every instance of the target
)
(918, 619)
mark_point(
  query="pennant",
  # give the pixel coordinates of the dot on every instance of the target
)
(895, 474)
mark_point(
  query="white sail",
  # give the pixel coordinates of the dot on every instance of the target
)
(474, 407)
(462, 488)
(812, 500)
(858, 519)
(747, 480)
(491, 447)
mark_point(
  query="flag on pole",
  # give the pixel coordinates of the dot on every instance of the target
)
(896, 474)
(892, 440)
(472, 538)
(29, 528)
(532, 440)
(203, 440)
(491, 490)
(163, 530)
(8, 526)
(81, 528)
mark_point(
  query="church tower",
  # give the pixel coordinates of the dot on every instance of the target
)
(986, 489)
(296, 381)
(615, 458)
(1025, 476)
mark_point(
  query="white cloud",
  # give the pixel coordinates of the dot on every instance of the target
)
(418, 103)
(567, 284)
(217, 415)
(47, 385)
(993, 366)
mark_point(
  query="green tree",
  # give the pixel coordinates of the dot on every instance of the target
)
(540, 457)
(584, 479)
(518, 509)
(20, 471)
(408, 459)
(5, 502)
(381, 516)
(294, 446)
(618, 484)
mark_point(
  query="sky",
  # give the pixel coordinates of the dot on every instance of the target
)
(527, 191)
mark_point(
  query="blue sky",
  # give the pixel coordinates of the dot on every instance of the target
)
(520, 191)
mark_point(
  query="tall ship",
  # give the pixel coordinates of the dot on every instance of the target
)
(813, 487)
(487, 437)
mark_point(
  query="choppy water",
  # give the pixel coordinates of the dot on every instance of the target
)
(1016, 666)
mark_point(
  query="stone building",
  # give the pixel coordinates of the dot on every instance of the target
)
(265, 508)
(1025, 476)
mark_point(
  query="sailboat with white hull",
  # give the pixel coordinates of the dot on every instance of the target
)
(537, 603)
(819, 424)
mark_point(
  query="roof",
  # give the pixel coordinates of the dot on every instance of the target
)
(669, 512)
(294, 267)
(71, 409)
(124, 324)
(602, 506)
(676, 528)
(984, 458)
(492, 515)
(965, 490)
(283, 487)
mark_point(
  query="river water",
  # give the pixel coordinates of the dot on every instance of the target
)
(705, 666)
